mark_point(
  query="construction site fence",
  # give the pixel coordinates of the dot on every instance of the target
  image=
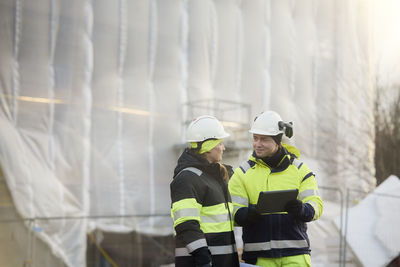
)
(21, 247)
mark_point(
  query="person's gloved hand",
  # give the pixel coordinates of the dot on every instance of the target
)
(246, 216)
(202, 257)
(253, 215)
(294, 207)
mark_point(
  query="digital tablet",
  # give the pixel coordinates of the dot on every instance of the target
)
(275, 201)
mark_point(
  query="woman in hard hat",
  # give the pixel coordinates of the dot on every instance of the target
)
(201, 204)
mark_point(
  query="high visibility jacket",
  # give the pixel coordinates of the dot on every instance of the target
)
(202, 212)
(277, 234)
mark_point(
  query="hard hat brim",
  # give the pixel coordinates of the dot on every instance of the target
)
(225, 135)
(261, 132)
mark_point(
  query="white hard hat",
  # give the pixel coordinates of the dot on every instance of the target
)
(203, 128)
(267, 123)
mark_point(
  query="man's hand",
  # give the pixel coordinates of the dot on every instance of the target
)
(294, 207)
(248, 215)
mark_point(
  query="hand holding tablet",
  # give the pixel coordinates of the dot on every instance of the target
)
(275, 201)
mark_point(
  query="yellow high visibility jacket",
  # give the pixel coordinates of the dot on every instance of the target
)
(276, 234)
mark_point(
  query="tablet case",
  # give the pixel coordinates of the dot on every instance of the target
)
(275, 201)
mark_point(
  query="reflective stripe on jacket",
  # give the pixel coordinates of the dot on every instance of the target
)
(279, 234)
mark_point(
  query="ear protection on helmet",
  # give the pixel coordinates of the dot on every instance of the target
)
(287, 128)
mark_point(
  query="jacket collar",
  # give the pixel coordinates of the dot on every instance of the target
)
(281, 166)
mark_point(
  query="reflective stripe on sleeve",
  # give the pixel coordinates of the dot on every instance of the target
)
(308, 193)
(215, 250)
(297, 163)
(240, 200)
(275, 244)
(190, 212)
(196, 244)
(195, 170)
(316, 209)
(245, 166)
(184, 210)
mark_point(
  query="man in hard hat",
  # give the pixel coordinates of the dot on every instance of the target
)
(201, 204)
(280, 238)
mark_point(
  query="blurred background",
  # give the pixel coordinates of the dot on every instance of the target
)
(95, 96)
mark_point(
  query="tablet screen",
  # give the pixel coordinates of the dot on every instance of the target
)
(275, 201)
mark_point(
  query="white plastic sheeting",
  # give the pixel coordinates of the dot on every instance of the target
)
(92, 96)
(372, 225)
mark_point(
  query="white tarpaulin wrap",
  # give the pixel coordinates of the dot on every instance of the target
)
(372, 225)
(92, 96)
